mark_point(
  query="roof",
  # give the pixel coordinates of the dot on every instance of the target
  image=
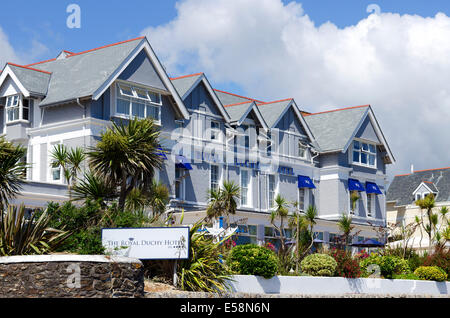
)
(34, 80)
(227, 98)
(333, 129)
(271, 111)
(402, 186)
(239, 111)
(81, 74)
(184, 83)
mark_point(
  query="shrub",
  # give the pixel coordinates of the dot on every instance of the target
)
(389, 265)
(319, 265)
(431, 273)
(204, 270)
(346, 265)
(406, 276)
(440, 258)
(251, 259)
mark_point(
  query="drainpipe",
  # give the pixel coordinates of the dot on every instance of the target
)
(315, 156)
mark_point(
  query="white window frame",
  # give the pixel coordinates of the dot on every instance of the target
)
(61, 180)
(137, 98)
(17, 105)
(301, 146)
(361, 151)
(181, 183)
(370, 204)
(305, 198)
(215, 132)
(274, 191)
(249, 183)
(211, 176)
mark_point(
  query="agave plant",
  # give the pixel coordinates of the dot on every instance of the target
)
(20, 235)
(204, 270)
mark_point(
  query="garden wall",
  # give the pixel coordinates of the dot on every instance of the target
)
(71, 276)
(308, 285)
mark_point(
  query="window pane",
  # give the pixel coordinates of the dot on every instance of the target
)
(355, 156)
(372, 160)
(9, 101)
(252, 229)
(126, 90)
(155, 97)
(123, 106)
(364, 158)
(25, 113)
(356, 145)
(244, 187)
(141, 93)
(138, 110)
(372, 148)
(13, 114)
(16, 100)
(365, 146)
(214, 177)
(56, 174)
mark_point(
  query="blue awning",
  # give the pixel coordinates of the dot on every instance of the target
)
(161, 153)
(305, 182)
(182, 162)
(373, 188)
(355, 185)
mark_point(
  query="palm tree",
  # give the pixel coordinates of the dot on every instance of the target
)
(158, 197)
(346, 227)
(297, 222)
(223, 201)
(12, 170)
(280, 211)
(310, 217)
(428, 203)
(127, 155)
(69, 161)
(93, 187)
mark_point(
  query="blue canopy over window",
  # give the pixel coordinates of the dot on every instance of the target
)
(182, 162)
(305, 182)
(373, 188)
(355, 185)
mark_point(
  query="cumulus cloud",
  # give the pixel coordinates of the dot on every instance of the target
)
(397, 63)
(7, 53)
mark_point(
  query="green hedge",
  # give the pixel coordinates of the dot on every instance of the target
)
(389, 265)
(431, 273)
(319, 265)
(251, 259)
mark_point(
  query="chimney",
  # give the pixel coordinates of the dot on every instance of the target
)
(412, 168)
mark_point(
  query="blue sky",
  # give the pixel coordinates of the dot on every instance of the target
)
(105, 22)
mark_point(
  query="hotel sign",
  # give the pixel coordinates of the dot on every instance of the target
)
(148, 243)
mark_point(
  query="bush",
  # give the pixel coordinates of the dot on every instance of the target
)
(431, 273)
(411, 276)
(389, 265)
(440, 258)
(346, 266)
(319, 265)
(251, 259)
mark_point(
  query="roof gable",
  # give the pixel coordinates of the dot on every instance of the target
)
(240, 111)
(186, 84)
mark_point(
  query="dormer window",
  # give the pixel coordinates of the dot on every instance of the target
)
(364, 153)
(17, 108)
(137, 102)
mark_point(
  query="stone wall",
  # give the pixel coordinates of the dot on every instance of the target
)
(71, 276)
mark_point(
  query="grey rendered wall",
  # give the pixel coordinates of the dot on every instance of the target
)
(62, 113)
(367, 132)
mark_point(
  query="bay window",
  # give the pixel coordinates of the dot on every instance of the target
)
(137, 102)
(17, 108)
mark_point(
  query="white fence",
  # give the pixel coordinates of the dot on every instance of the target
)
(308, 285)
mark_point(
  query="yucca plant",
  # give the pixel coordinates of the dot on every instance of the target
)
(20, 235)
(204, 270)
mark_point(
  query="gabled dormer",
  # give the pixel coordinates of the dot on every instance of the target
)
(425, 188)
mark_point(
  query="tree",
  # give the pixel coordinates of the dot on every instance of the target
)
(127, 155)
(94, 188)
(12, 170)
(70, 161)
(427, 204)
(280, 211)
(158, 197)
(346, 227)
(223, 201)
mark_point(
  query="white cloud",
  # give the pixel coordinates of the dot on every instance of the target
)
(7, 53)
(397, 63)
